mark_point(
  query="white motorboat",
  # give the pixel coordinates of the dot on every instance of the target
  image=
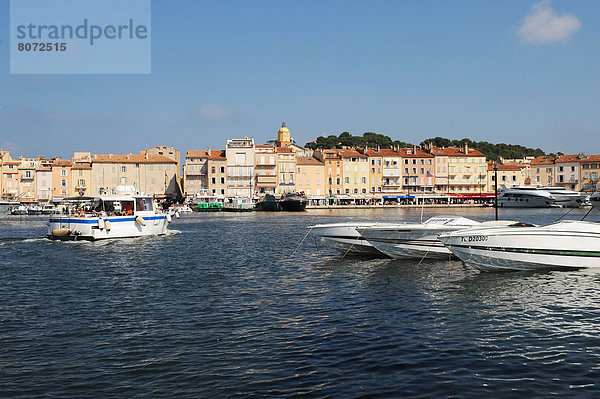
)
(111, 216)
(565, 198)
(34, 209)
(6, 207)
(525, 197)
(49, 209)
(561, 245)
(415, 240)
(19, 209)
(345, 238)
(184, 209)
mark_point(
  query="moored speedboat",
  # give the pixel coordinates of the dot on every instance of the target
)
(415, 240)
(103, 217)
(561, 245)
(293, 202)
(345, 238)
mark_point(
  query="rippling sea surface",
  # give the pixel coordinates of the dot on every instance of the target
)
(221, 308)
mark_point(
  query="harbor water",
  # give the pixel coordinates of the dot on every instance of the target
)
(221, 308)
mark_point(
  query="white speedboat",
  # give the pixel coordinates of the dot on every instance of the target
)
(19, 210)
(345, 238)
(34, 209)
(415, 240)
(565, 198)
(561, 245)
(49, 209)
(111, 216)
(525, 197)
(238, 204)
(6, 207)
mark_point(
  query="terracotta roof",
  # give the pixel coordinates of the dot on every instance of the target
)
(308, 161)
(62, 162)
(382, 152)
(505, 167)
(82, 166)
(542, 161)
(456, 152)
(264, 146)
(284, 150)
(130, 158)
(571, 158)
(214, 154)
(592, 158)
(351, 154)
(44, 169)
(404, 152)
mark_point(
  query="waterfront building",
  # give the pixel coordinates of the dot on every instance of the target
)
(266, 169)
(332, 162)
(567, 171)
(310, 177)
(168, 152)
(81, 174)
(418, 172)
(27, 184)
(149, 174)
(375, 160)
(205, 170)
(440, 163)
(542, 171)
(356, 172)
(508, 175)
(286, 166)
(10, 176)
(43, 181)
(467, 169)
(240, 161)
(61, 177)
(590, 174)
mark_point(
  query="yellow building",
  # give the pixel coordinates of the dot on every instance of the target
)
(356, 172)
(333, 170)
(61, 177)
(467, 169)
(310, 177)
(542, 171)
(508, 175)
(284, 136)
(27, 183)
(286, 167)
(9, 173)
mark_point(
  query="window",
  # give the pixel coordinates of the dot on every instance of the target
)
(212, 169)
(222, 169)
(81, 182)
(123, 180)
(123, 169)
(63, 172)
(240, 158)
(213, 180)
(222, 180)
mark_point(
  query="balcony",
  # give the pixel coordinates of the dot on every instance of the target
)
(266, 181)
(28, 178)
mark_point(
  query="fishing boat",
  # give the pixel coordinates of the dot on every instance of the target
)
(525, 197)
(111, 216)
(345, 238)
(205, 201)
(561, 245)
(239, 204)
(415, 240)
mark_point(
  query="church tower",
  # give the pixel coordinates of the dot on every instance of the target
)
(283, 136)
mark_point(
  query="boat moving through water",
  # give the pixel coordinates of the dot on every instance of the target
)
(103, 217)
(561, 245)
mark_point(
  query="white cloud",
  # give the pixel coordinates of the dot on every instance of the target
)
(543, 25)
(213, 112)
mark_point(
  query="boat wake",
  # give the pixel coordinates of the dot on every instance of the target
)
(13, 240)
(172, 232)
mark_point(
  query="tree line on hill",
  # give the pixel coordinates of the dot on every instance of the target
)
(373, 140)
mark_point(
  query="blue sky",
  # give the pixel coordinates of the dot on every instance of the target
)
(520, 72)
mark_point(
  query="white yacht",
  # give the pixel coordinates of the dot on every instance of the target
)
(112, 216)
(345, 238)
(414, 240)
(525, 197)
(565, 198)
(561, 245)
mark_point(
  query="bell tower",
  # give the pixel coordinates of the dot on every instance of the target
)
(283, 136)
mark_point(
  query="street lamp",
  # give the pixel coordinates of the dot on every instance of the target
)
(495, 165)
